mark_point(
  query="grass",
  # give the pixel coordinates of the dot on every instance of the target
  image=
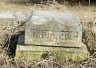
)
(85, 14)
(8, 5)
(77, 9)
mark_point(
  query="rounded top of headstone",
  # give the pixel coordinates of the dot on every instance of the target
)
(41, 17)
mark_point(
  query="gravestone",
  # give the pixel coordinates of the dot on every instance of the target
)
(51, 31)
(8, 22)
(61, 29)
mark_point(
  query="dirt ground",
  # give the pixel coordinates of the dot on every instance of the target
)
(87, 15)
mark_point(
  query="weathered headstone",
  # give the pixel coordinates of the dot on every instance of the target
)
(51, 31)
(9, 21)
(61, 29)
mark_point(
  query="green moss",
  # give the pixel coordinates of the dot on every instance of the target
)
(67, 56)
(95, 37)
(44, 55)
(17, 53)
(64, 56)
(31, 52)
(29, 55)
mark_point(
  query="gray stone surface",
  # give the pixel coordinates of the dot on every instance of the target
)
(59, 32)
(21, 46)
(9, 20)
(35, 52)
(53, 28)
(9, 23)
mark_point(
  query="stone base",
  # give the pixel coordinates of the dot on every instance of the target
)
(35, 52)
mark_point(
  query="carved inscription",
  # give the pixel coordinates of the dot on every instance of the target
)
(56, 29)
(51, 34)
